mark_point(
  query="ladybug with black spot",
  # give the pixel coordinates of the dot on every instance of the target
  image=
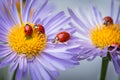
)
(62, 37)
(107, 21)
(28, 30)
(39, 28)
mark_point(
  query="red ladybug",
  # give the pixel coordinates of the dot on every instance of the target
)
(39, 28)
(62, 37)
(28, 30)
(107, 20)
(112, 46)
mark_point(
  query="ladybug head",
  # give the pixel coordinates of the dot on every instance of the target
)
(107, 20)
(39, 28)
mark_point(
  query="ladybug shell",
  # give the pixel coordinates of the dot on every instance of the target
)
(28, 30)
(63, 36)
(107, 20)
(40, 28)
(112, 46)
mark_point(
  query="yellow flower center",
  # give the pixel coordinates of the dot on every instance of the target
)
(105, 36)
(23, 45)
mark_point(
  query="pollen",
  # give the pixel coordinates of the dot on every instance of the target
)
(21, 44)
(105, 36)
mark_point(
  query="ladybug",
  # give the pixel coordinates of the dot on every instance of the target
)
(112, 46)
(28, 30)
(62, 37)
(39, 28)
(107, 20)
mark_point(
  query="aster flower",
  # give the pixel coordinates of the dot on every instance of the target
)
(26, 40)
(99, 35)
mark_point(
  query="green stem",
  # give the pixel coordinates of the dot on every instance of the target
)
(14, 74)
(104, 66)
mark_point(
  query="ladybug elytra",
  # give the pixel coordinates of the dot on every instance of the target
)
(39, 28)
(62, 37)
(28, 30)
(112, 46)
(107, 20)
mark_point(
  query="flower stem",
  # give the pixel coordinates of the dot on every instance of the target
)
(14, 74)
(104, 66)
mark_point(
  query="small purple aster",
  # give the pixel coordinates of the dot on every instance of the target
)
(99, 36)
(26, 35)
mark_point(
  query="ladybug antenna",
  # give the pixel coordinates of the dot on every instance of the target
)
(35, 26)
(105, 22)
(27, 24)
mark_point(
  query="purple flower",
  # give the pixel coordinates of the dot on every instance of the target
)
(33, 53)
(99, 35)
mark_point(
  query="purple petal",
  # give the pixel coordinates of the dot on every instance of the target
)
(39, 10)
(43, 72)
(97, 15)
(3, 39)
(46, 13)
(59, 55)
(74, 38)
(58, 20)
(85, 17)
(112, 8)
(54, 62)
(74, 50)
(54, 73)
(118, 15)
(24, 67)
(116, 62)
(61, 47)
(60, 63)
(13, 10)
(55, 19)
(77, 20)
(90, 53)
(32, 74)
(3, 31)
(71, 30)
(80, 30)
(4, 28)
(13, 66)
(4, 47)
(6, 13)
(27, 9)
(92, 57)
(9, 59)
(18, 74)
(36, 75)
(5, 53)
(46, 63)
(51, 48)
(58, 25)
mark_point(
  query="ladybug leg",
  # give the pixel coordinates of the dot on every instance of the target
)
(105, 22)
(40, 32)
(118, 49)
(65, 43)
(113, 46)
(55, 40)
